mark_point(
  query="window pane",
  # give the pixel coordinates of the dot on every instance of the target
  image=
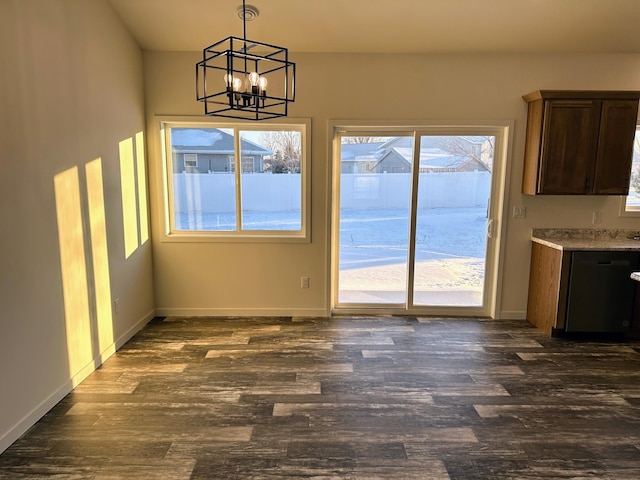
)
(633, 200)
(375, 198)
(454, 186)
(271, 181)
(236, 180)
(204, 188)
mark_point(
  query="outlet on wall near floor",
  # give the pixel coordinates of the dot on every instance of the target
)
(116, 305)
(304, 282)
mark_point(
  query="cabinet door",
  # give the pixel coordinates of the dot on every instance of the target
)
(615, 146)
(569, 146)
(548, 276)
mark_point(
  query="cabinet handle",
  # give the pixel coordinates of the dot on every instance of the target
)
(587, 183)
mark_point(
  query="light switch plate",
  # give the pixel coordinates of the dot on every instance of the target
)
(519, 212)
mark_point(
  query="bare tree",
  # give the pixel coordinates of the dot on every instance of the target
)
(635, 175)
(480, 149)
(286, 148)
(352, 140)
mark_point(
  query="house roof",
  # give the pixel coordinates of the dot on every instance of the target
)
(429, 141)
(359, 151)
(430, 157)
(211, 140)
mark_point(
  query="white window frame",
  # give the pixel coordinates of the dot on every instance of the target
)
(503, 133)
(303, 235)
(190, 157)
(630, 210)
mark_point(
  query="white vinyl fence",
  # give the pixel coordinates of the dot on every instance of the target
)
(215, 193)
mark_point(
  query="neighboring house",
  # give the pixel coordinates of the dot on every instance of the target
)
(360, 157)
(210, 150)
(438, 154)
(399, 159)
(394, 160)
(437, 160)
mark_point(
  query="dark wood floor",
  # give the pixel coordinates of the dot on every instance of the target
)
(366, 398)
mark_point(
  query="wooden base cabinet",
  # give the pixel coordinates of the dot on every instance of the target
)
(574, 292)
(548, 281)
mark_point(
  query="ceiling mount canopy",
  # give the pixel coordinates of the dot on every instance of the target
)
(248, 13)
(245, 79)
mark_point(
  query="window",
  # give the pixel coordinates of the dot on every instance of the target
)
(248, 164)
(190, 160)
(245, 181)
(631, 203)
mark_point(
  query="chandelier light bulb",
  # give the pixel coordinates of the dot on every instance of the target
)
(246, 84)
(228, 80)
(262, 82)
(254, 78)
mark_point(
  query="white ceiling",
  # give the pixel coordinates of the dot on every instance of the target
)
(392, 26)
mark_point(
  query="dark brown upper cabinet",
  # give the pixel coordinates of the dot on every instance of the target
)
(579, 142)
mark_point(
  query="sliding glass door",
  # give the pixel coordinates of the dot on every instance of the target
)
(375, 200)
(412, 228)
(454, 188)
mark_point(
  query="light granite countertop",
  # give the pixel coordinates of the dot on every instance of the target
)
(587, 239)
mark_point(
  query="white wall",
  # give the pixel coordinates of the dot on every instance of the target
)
(251, 277)
(71, 89)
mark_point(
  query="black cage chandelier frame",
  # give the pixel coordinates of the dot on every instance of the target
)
(245, 79)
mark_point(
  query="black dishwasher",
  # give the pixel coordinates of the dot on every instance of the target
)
(601, 292)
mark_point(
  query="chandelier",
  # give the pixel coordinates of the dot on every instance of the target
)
(245, 79)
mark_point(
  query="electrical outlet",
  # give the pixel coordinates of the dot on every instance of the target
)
(116, 305)
(304, 282)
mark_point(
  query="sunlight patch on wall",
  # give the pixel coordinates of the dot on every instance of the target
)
(128, 186)
(133, 180)
(100, 254)
(165, 179)
(74, 269)
(142, 188)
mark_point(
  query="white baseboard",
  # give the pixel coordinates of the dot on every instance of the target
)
(30, 419)
(241, 312)
(139, 325)
(34, 415)
(274, 312)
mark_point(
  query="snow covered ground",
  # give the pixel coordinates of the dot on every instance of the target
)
(450, 256)
(450, 251)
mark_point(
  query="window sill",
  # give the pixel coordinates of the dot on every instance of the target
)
(227, 237)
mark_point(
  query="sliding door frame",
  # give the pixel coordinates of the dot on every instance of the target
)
(502, 131)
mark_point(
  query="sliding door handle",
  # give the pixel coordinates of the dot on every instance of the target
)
(490, 228)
